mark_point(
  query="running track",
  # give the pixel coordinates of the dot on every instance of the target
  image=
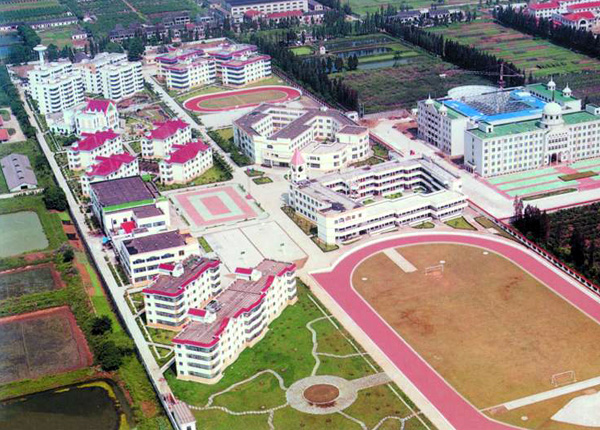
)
(193, 104)
(457, 411)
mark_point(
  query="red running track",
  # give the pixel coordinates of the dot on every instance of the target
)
(193, 104)
(457, 410)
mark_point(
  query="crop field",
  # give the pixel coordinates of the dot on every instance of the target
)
(15, 283)
(363, 6)
(109, 13)
(21, 232)
(469, 324)
(535, 55)
(148, 7)
(29, 11)
(60, 36)
(41, 343)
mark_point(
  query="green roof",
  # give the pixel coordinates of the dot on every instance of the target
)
(532, 125)
(129, 205)
(545, 92)
(451, 112)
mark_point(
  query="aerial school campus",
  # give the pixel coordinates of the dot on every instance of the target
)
(299, 214)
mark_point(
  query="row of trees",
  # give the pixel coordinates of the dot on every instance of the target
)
(9, 96)
(579, 40)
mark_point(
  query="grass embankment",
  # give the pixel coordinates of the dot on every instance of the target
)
(460, 223)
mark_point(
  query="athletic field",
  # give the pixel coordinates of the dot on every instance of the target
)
(230, 100)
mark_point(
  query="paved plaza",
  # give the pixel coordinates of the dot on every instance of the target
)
(215, 206)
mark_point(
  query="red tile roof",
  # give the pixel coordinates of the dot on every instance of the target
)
(184, 153)
(128, 226)
(167, 129)
(285, 14)
(588, 5)
(197, 312)
(579, 15)
(244, 270)
(4, 134)
(544, 6)
(93, 141)
(106, 165)
(252, 12)
(98, 105)
(166, 266)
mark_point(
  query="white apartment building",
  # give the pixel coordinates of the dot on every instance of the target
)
(238, 8)
(159, 142)
(443, 122)
(185, 69)
(111, 75)
(126, 204)
(326, 138)
(55, 86)
(178, 288)
(186, 162)
(82, 154)
(243, 70)
(375, 199)
(141, 252)
(107, 168)
(556, 137)
(237, 318)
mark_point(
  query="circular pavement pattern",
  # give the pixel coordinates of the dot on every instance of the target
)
(241, 99)
(321, 387)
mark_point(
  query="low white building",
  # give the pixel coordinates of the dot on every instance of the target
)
(221, 327)
(375, 199)
(245, 69)
(111, 75)
(238, 8)
(186, 162)
(83, 153)
(326, 138)
(141, 252)
(179, 288)
(159, 142)
(107, 168)
(125, 204)
(18, 174)
(93, 116)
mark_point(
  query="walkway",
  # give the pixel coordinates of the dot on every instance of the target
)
(455, 409)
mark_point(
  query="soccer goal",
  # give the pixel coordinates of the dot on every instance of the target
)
(438, 270)
(563, 378)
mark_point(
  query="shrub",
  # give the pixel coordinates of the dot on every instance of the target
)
(55, 199)
(101, 325)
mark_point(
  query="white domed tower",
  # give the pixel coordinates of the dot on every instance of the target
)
(552, 115)
(567, 91)
(298, 168)
(551, 85)
(429, 100)
(443, 110)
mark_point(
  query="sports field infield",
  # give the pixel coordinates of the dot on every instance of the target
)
(238, 99)
(490, 329)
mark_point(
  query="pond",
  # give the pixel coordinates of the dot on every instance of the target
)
(97, 405)
(6, 41)
(383, 63)
(363, 52)
(21, 232)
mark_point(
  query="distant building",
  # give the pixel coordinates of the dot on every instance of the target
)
(122, 205)
(18, 173)
(82, 154)
(326, 138)
(186, 162)
(222, 325)
(237, 8)
(107, 168)
(159, 142)
(41, 24)
(244, 70)
(375, 199)
(185, 69)
(141, 253)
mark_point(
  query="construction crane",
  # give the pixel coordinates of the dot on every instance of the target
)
(501, 73)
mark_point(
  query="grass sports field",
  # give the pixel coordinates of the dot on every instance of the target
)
(495, 334)
(21, 232)
(241, 99)
(41, 343)
(526, 52)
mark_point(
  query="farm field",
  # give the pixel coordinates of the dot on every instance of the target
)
(156, 7)
(469, 324)
(31, 11)
(21, 232)
(363, 6)
(60, 36)
(109, 13)
(41, 343)
(535, 55)
(28, 280)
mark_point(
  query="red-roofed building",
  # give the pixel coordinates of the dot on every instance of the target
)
(543, 10)
(282, 16)
(588, 6)
(186, 162)
(221, 326)
(4, 136)
(97, 115)
(158, 142)
(114, 166)
(579, 20)
(82, 154)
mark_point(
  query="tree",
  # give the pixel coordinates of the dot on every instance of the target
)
(577, 248)
(68, 255)
(109, 355)
(55, 199)
(101, 325)
(135, 49)
(339, 64)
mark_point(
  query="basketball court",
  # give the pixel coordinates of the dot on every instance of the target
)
(214, 206)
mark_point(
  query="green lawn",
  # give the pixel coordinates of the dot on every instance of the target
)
(262, 180)
(330, 341)
(262, 392)
(424, 225)
(60, 36)
(5, 115)
(302, 50)
(460, 223)
(225, 133)
(204, 244)
(219, 420)
(161, 336)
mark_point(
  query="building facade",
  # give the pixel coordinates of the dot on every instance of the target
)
(55, 86)
(107, 168)
(237, 8)
(186, 162)
(244, 70)
(185, 69)
(159, 142)
(220, 328)
(326, 138)
(82, 154)
(375, 199)
(179, 288)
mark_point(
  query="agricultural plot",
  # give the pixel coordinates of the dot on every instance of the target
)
(60, 36)
(37, 279)
(21, 232)
(363, 6)
(109, 13)
(378, 49)
(30, 11)
(150, 7)
(41, 343)
(535, 55)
